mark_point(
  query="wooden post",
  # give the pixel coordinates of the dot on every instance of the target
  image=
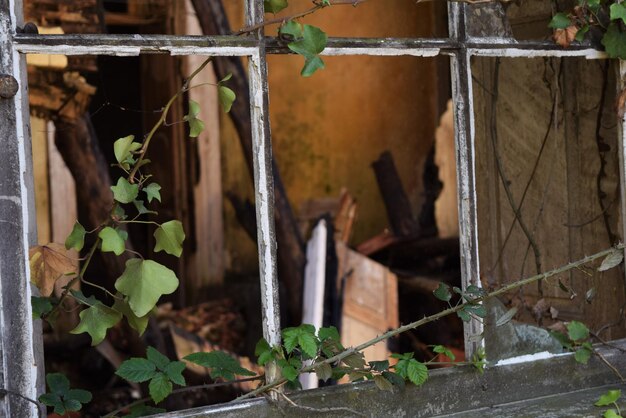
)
(21, 360)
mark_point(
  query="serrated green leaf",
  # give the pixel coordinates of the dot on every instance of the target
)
(152, 191)
(76, 238)
(40, 306)
(196, 126)
(155, 356)
(394, 378)
(95, 321)
(417, 372)
(355, 361)
(311, 44)
(382, 383)
(440, 349)
(174, 371)
(577, 331)
(142, 411)
(379, 366)
(263, 351)
(611, 413)
(614, 41)
(328, 333)
(618, 12)
(123, 149)
(308, 344)
(324, 372)
(609, 397)
(112, 241)
(144, 282)
(559, 21)
(405, 356)
(612, 260)
(443, 292)
(582, 355)
(169, 237)
(139, 324)
(137, 370)
(274, 6)
(226, 97)
(160, 387)
(124, 192)
(80, 395)
(219, 364)
(289, 372)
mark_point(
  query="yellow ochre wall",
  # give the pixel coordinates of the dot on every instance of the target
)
(329, 128)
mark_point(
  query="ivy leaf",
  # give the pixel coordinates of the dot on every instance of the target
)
(577, 331)
(611, 413)
(310, 46)
(324, 372)
(143, 410)
(141, 207)
(440, 349)
(274, 6)
(95, 321)
(219, 364)
(144, 281)
(124, 192)
(40, 306)
(152, 190)
(169, 237)
(614, 41)
(382, 383)
(47, 264)
(196, 126)
(226, 97)
(612, 260)
(559, 21)
(290, 31)
(580, 35)
(582, 355)
(618, 11)
(417, 372)
(76, 238)
(139, 324)
(174, 372)
(160, 387)
(137, 370)
(112, 241)
(609, 397)
(123, 149)
(81, 298)
(443, 292)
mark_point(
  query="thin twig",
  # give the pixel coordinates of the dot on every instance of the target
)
(39, 405)
(320, 410)
(610, 366)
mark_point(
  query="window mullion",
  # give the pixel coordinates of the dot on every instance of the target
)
(621, 138)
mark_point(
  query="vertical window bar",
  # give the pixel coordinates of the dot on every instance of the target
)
(460, 66)
(263, 184)
(21, 360)
(621, 129)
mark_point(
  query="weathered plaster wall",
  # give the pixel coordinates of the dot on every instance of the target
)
(327, 129)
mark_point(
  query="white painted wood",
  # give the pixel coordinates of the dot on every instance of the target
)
(621, 137)
(314, 284)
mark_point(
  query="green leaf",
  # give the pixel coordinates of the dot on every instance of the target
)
(504, 319)
(155, 356)
(169, 238)
(443, 292)
(440, 349)
(143, 410)
(394, 378)
(219, 364)
(263, 351)
(478, 310)
(160, 387)
(618, 11)
(58, 383)
(76, 238)
(54, 401)
(582, 355)
(40, 306)
(379, 366)
(324, 372)
(139, 324)
(80, 297)
(174, 371)
(310, 46)
(562, 338)
(580, 35)
(577, 331)
(226, 97)
(382, 383)
(308, 343)
(112, 241)
(614, 41)
(462, 313)
(196, 126)
(124, 192)
(560, 21)
(417, 372)
(144, 281)
(61, 397)
(274, 6)
(123, 149)
(609, 397)
(291, 31)
(226, 78)
(612, 260)
(611, 413)
(289, 372)
(152, 190)
(141, 207)
(95, 321)
(137, 370)
(328, 333)
(303, 336)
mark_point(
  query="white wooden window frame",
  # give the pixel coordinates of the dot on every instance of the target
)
(21, 366)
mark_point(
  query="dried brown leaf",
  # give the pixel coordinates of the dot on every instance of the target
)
(621, 103)
(47, 264)
(565, 37)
